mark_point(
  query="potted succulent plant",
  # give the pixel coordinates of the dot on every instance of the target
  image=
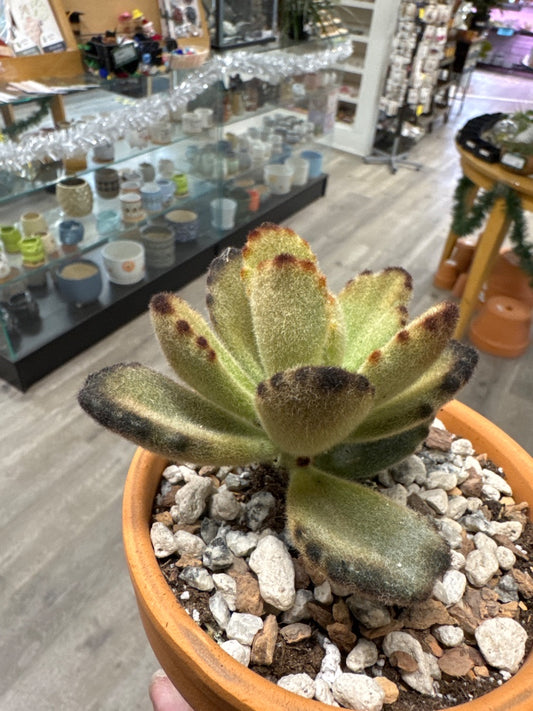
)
(329, 389)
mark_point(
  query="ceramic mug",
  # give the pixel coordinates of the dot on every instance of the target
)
(32, 250)
(32, 222)
(167, 187)
(79, 282)
(147, 172)
(184, 224)
(152, 197)
(131, 207)
(205, 115)
(11, 237)
(75, 197)
(24, 307)
(159, 246)
(278, 177)
(166, 168)
(104, 152)
(131, 186)
(107, 182)
(315, 162)
(161, 132)
(124, 261)
(301, 170)
(181, 184)
(191, 123)
(223, 212)
(71, 232)
(107, 222)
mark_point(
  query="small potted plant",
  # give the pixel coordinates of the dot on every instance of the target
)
(328, 389)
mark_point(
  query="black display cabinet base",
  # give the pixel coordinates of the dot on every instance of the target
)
(65, 333)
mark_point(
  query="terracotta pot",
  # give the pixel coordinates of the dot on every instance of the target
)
(502, 327)
(446, 274)
(507, 278)
(211, 679)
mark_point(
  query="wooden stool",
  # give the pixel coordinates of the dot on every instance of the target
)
(485, 175)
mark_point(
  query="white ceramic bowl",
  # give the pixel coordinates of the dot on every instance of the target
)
(124, 261)
(278, 177)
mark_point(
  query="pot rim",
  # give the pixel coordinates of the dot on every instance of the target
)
(219, 674)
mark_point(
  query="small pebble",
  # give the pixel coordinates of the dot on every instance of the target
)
(243, 627)
(449, 635)
(358, 691)
(238, 651)
(463, 447)
(363, 655)
(502, 643)
(272, 563)
(300, 684)
(163, 540)
(197, 578)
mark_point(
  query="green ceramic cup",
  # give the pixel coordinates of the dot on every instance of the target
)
(11, 237)
(32, 250)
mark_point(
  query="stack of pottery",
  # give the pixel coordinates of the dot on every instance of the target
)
(75, 197)
(158, 243)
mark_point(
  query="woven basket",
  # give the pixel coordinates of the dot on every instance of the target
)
(188, 61)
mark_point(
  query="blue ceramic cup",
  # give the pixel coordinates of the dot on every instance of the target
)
(315, 162)
(152, 197)
(71, 232)
(79, 282)
(108, 221)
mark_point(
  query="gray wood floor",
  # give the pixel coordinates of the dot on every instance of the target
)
(70, 638)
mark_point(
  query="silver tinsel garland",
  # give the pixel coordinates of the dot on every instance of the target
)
(272, 67)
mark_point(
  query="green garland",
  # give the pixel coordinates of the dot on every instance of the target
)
(36, 117)
(464, 222)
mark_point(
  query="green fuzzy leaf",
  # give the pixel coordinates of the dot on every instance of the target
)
(375, 308)
(267, 242)
(336, 335)
(198, 357)
(408, 355)
(419, 402)
(362, 460)
(288, 300)
(229, 311)
(360, 538)
(159, 414)
(309, 409)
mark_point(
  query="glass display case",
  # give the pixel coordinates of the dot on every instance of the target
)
(86, 240)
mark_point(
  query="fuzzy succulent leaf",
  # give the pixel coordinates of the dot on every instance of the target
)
(336, 335)
(409, 354)
(288, 301)
(159, 414)
(198, 357)
(360, 538)
(361, 460)
(374, 305)
(229, 311)
(267, 242)
(423, 398)
(307, 410)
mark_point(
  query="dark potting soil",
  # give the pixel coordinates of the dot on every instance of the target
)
(306, 656)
